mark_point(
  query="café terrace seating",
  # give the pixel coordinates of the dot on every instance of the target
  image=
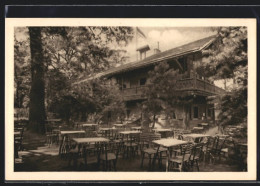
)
(129, 142)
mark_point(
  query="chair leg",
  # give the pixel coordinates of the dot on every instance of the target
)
(197, 163)
(142, 162)
(150, 161)
(114, 163)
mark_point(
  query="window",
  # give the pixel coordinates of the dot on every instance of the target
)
(195, 112)
(209, 112)
(173, 115)
(124, 85)
(142, 81)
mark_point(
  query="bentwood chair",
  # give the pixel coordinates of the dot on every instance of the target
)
(130, 147)
(110, 155)
(196, 155)
(149, 149)
(181, 162)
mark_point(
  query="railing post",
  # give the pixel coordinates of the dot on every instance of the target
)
(195, 82)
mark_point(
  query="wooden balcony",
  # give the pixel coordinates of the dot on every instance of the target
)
(195, 86)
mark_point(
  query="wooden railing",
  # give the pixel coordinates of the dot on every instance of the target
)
(188, 84)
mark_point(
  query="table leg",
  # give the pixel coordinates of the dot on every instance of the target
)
(155, 156)
(167, 158)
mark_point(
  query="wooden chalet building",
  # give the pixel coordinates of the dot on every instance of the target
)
(133, 77)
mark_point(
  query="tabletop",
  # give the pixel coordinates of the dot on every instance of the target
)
(119, 125)
(138, 128)
(170, 142)
(198, 128)
(89, 124)
(204, 124)
(53, 120)
(90, 140)
(222, 135)
(72, 132)
(130, 132)
(162, 130)
(195, 135)
(17, 133)
(105, 129)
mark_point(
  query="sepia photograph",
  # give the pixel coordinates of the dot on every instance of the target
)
(131, 99)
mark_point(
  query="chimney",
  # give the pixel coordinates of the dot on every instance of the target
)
(156, 51)
(142, 51)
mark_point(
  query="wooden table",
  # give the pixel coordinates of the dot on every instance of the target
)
(168, 142)
(90, 140)
(82, 142)
(129, 133)
(53, 120)
(107, 131)
(17, 133)
(162, 131)
(65, 141)
(204, 124)
(196, 138)
(89, 124)
(120, 125)
(198, 128)
(136, 128)
(67, 132)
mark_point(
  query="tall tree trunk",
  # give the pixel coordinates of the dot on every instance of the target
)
(153, 121)
(145, 122)
(37, 113)
(186, 116)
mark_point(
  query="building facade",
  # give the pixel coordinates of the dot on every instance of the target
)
(133, 78)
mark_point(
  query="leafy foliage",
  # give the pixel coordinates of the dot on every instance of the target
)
(162, 92)
(69, 54)
(21, 73)
(226, 59)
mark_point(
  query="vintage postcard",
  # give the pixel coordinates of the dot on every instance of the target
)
(99, 99)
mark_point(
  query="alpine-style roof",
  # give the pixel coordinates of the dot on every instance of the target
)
(192, 47)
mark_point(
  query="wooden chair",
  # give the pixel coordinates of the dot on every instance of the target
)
(110, 155)
(196, 155)
(18, 140)
(181, 162)
(149, 149)
(130, 145)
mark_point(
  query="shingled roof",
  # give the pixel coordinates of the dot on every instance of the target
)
(168, 54)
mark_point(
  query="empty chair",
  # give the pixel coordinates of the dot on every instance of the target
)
(149, 149)
(110, 155)
(181, 162)
(196, 155)
(131, 145)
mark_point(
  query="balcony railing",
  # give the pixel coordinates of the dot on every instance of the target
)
(188, 84)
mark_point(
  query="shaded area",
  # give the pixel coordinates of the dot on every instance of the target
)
(39, 157)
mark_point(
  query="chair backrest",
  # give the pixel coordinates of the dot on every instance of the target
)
(220, 143)
(186, 148)
(211, 143)
(144, 137)
(169, 134)
(196, 151)
(180, 137)
(112, 148)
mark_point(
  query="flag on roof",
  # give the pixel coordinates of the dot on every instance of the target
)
(139, 32)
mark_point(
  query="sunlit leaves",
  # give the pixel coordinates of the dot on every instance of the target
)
(227, 58)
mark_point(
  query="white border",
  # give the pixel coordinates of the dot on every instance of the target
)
(10, 23)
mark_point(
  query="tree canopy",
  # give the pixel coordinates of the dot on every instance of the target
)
(162, 92)
(64, 55)
(227, 59)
